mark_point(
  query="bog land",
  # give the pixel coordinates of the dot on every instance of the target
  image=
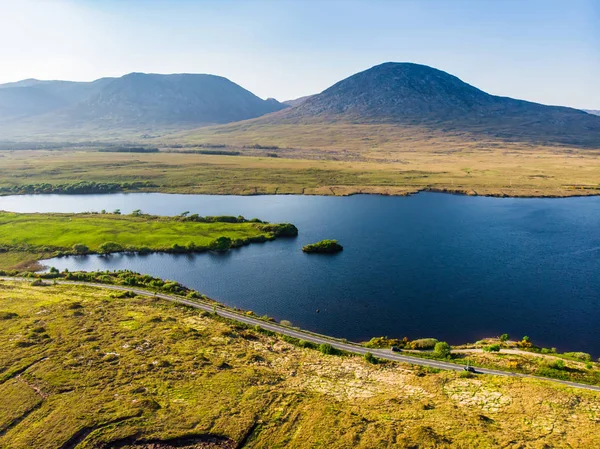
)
(83, 367)
(338, 160)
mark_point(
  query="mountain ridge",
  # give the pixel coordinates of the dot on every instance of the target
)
(395, 94)
(413, 94)
(136, 100)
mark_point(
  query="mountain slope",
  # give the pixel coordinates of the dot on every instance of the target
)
(33, 97)
(592, 111)
(140, 99)
(297, 101)
(413, 94)
(136, 101)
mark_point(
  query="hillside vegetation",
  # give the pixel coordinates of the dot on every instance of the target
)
(82, 367)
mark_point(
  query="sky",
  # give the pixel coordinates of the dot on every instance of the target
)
(546, 51)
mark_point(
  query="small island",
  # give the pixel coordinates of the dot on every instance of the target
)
(324, 246)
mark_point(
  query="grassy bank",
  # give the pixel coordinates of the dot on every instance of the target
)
(509, 170)
(26, 237)
(82, 367)
(496, 353)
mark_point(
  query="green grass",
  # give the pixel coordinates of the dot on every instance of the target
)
(24, 236)
(108, 369)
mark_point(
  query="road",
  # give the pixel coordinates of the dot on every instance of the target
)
(312, 337)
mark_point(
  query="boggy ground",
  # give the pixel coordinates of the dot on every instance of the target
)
(391, 165)
(82, 368)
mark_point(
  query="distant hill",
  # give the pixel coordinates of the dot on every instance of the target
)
(32, 97)
(413, 94)
(134, 101)
(592, 111)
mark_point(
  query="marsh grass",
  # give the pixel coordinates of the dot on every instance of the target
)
(149, 370)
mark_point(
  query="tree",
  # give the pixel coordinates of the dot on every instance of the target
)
(110, 247)
(504, 338)
(80, 248)
(526, 338)
(117, 212)
(220, 244)
(442, 349)
(137, 213)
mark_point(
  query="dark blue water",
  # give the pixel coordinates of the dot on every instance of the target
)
(454, 267)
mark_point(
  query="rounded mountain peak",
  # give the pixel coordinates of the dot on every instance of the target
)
(397, 90)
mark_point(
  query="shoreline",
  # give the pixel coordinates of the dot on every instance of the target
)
(270, 325)
(577, 193)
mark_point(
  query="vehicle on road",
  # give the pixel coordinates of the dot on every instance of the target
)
(396, 349)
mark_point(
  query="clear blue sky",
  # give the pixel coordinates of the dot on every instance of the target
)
(540, 50)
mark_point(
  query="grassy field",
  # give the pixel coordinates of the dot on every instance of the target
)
(26, 237)
(82, 368)
(511, 169)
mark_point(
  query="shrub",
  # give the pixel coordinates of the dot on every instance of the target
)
(286, 323)
(441, 349)
(504, 338)
(492, 348)
(194, 295)
(110, 247)
(423, 343)
(220, 244)
(554, 365)
(279, 230)
(7, 315)
(583, 356)
(384, 342)
(370, 358)
(175, 248)
(306, 344)
(525, 343)
(326, 348)
(80, 248)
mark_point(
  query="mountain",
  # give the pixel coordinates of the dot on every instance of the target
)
(33, 97)
(134, 101)
(592, 111)
(140, 99)
(413, 94)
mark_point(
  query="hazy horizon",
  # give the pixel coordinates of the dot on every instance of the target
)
(542, 51)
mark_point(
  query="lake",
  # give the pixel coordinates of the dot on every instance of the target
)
(453, 267)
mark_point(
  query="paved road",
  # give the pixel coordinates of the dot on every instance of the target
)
(312, 337)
